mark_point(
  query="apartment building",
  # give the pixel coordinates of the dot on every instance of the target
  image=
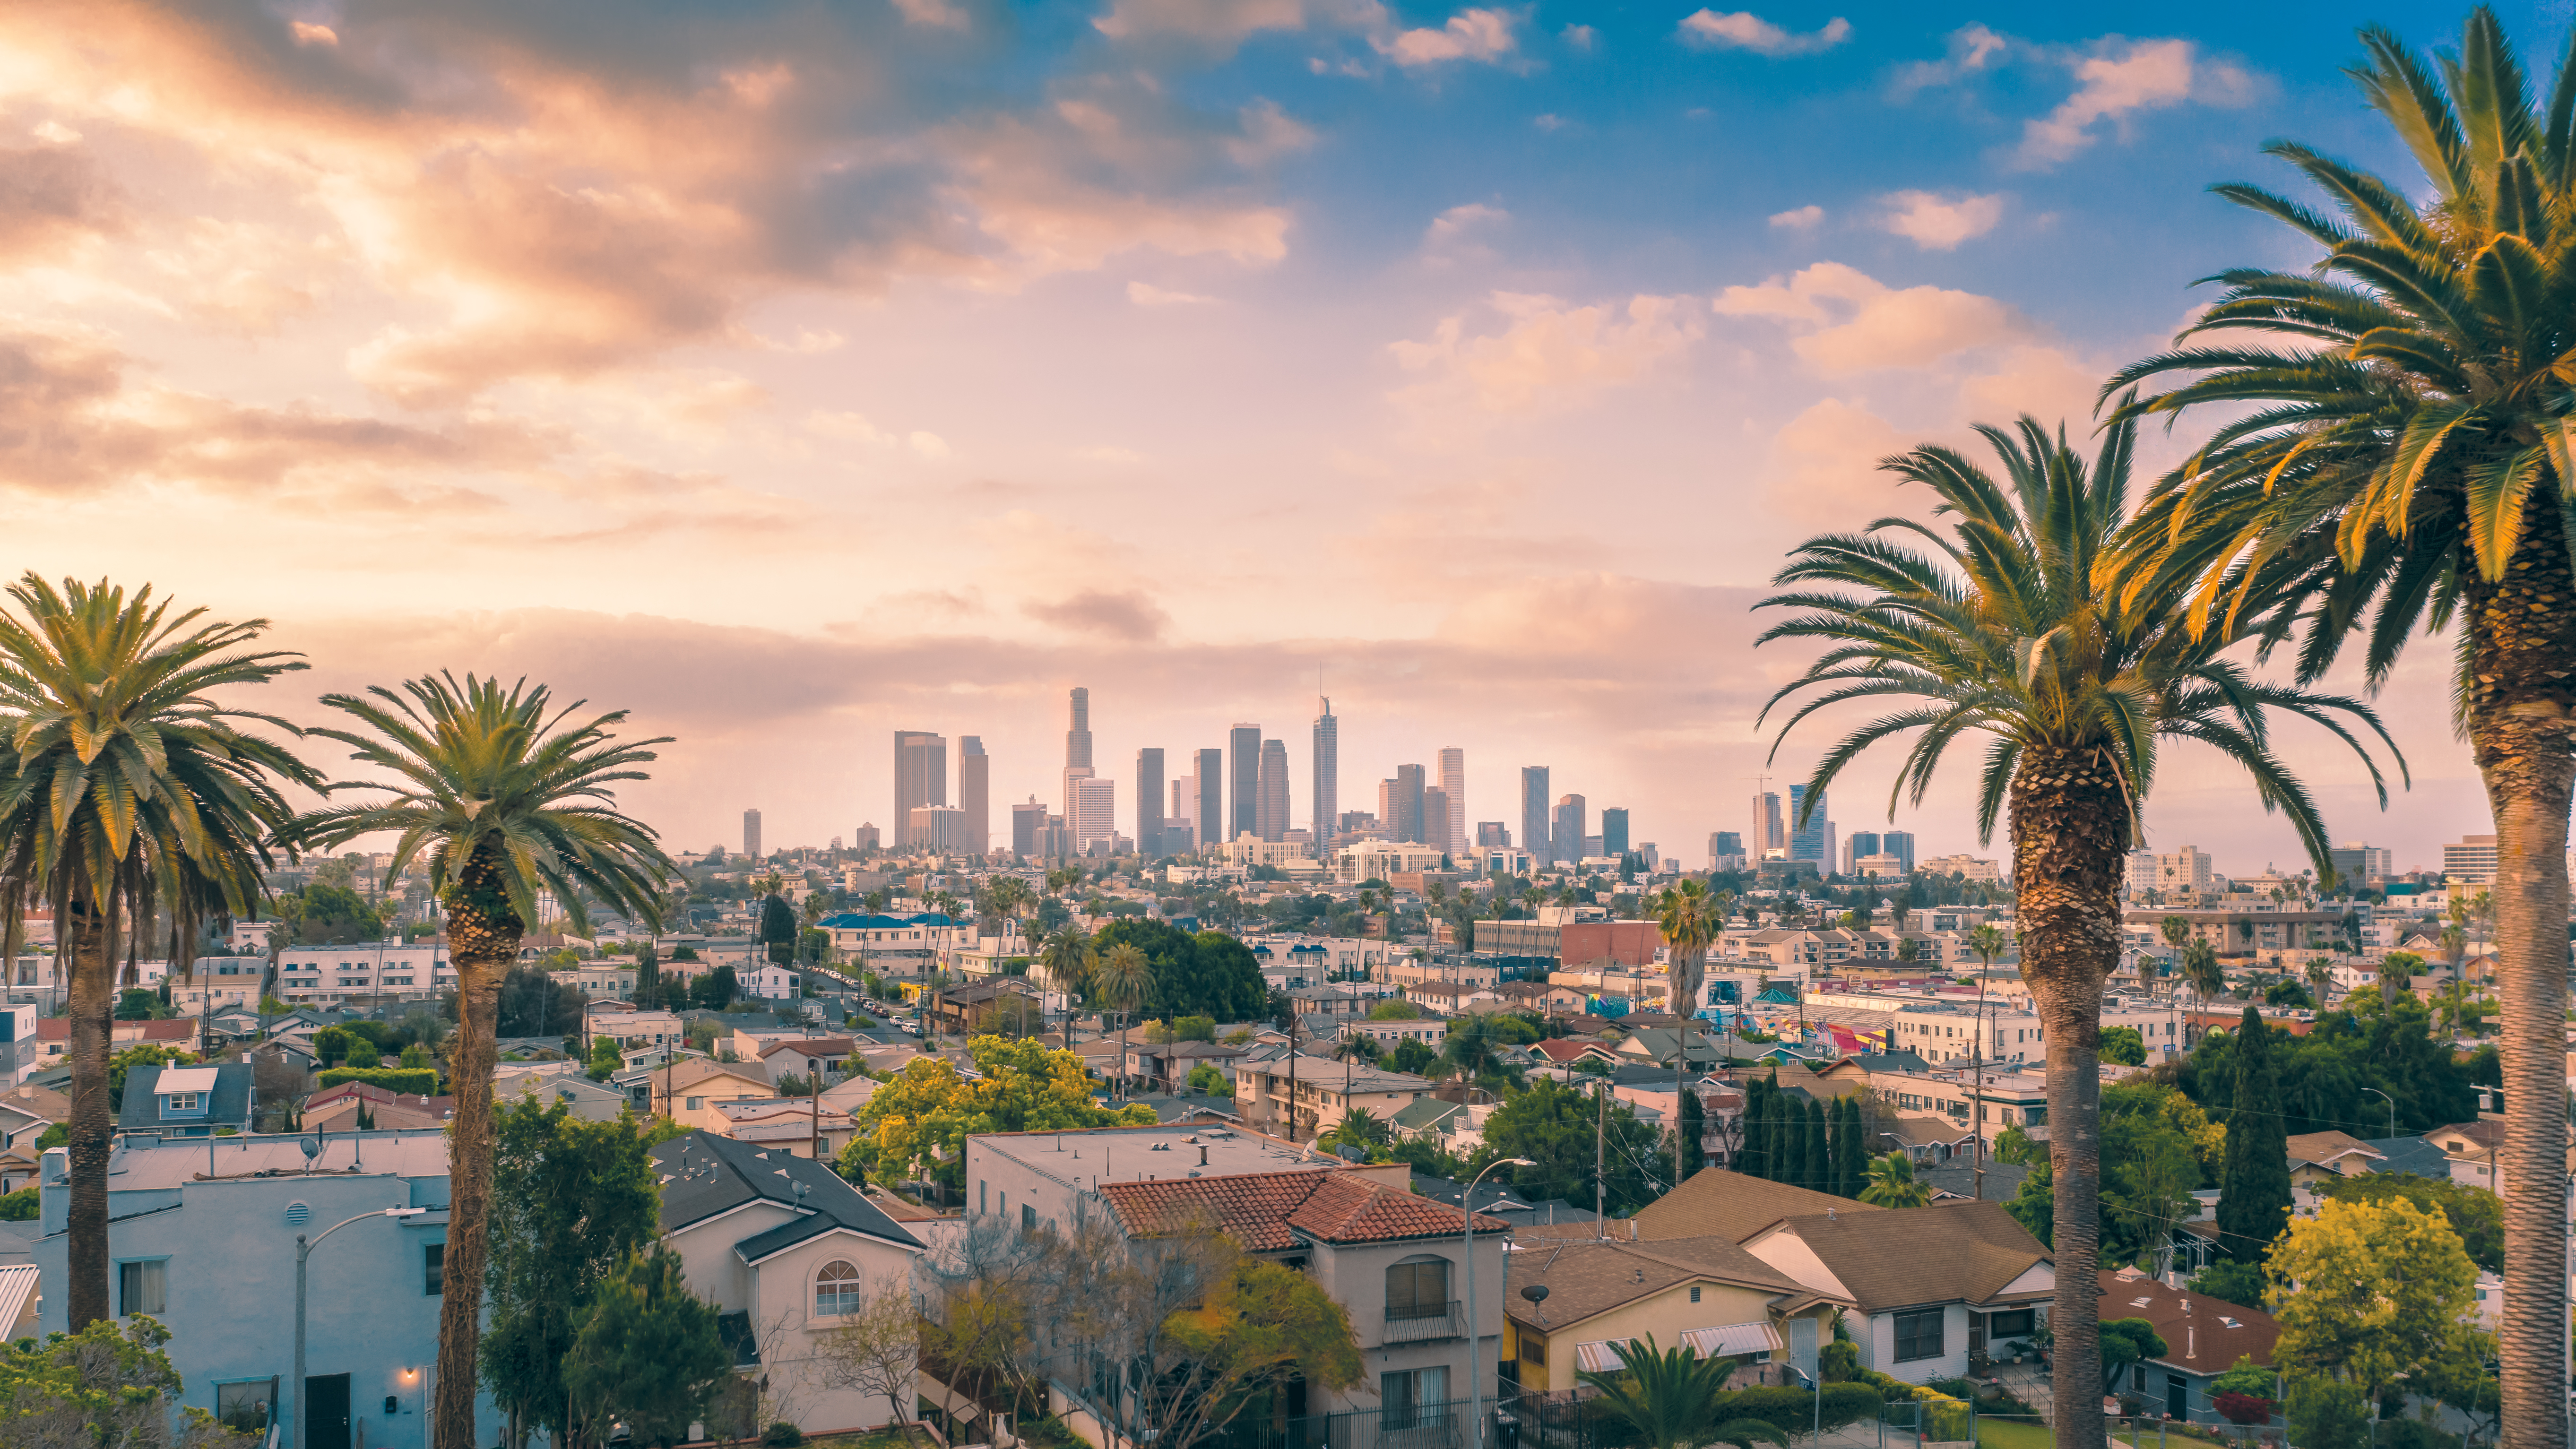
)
(324, 974)
(1302, 1095)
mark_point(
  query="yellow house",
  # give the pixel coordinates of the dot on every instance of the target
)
(693, 1093)
(1571, 1299)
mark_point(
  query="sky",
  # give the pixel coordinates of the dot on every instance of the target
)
(789, 374)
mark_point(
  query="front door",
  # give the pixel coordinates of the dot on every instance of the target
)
(326, 1411)
(2177, 1396)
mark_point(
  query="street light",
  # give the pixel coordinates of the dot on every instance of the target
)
(1467, 1236)
(303, 1249)
(2392, 1107)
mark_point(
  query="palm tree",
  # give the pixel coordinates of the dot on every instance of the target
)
(1892, 1183)
(1672, 1398)
(2398, 449)
(504, 799)
(2320, 974)
(2201, 971)
(126, 785)
(1687, 916)
(2017, 621)
(1123, 979)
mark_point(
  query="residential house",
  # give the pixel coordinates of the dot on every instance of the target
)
(54, 1035)
(1166, 1066)
(1933, 1286)
(961, 1009)
(634, 1029)
(1306, 1094)
(339, 1109)
(807, 1056)
(785, 1250)
(1704, 1294)
(689, 1092)
(2317, 1157)
(2204, 1337)
(1389, 1033)
(1454, 998)
(186, 1241)
(188, 1101)
(796, 1124)
(583, 1098)
(1540, 998)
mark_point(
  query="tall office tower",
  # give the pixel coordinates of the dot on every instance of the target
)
(1765, 836)
(866, 838)
(1898, 843)
(1328, 777)
(920, 778)
(1614, 830)
(1211, 790)
(1453, 783)
(751, 835)
(1028, 823)
(1185, 802)
(1095, 811)
(1243, 813)
(1722, 845)
(1073, 775)
(975, 794)
(1858, 844)
(1493, 835)
(1405, 825)
(1077, 734)
(1271, 815)
(1534, 813)
(1565, 833)
(1435, 819)
(1810, 836)
(1149, 803)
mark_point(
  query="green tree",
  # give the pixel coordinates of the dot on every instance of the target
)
(1851, 1149)
(1755, 1155)
(1816, 1170)
(1410, 1056)
(503, 798)
(1690, 1131)
(1687, 916)
(2327, 1413)
(2019, 621)
(917, 1123)
(2365, 1292)
(1394, 1010)
(714, 989)
(2254, 1197)
(571, 1199)
(1553, 1125)
(1210, 974)
(605, 1058)
(1670, 1398)
(1261, 1327)
(108, 1384)
(2126, 1341)
(2123, 1044)
(778, 928)
(2399, 456)
(1892, 1183)
(647, 1354)
(2240, 1283)
(2474, 1213)
(1123, 978)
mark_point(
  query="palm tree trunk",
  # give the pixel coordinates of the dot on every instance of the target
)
(84, 938)
(482, 942)
(2070, 831)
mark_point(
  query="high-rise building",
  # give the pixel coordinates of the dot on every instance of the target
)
(1243, 746)
(1493, 835)
(1614, 830)
(1534, 837)
(975, 793)
(1810, 838)
(1405, 800)
(1898, 843)
(1211, 794)
(1724, 846)
(1566, 832)
(1435, 819)
(865, 838)
(920, 778)
(1271, 819)
(1453, 783)
(940, 827)
(1073, 776)
(1149, 803)
(1095, 812)
(1328, 777)
(1856, 845)
(751, 835)
(2357, 862)
(1765, 836)
(1077, 734)
(1028, 823)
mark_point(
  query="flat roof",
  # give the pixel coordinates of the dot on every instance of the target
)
(146, 1163)
(1144, 1154)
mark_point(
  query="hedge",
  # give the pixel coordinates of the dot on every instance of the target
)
(1795, 1410)
(416, 1081)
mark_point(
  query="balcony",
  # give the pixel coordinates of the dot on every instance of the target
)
(1422, 1322)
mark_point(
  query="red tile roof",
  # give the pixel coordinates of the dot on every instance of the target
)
(1268, 1211)
(177, 1028)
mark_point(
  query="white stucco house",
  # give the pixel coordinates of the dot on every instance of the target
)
(1932, 1283)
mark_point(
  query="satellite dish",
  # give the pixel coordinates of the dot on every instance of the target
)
(311, 1146)
(1535, 1292)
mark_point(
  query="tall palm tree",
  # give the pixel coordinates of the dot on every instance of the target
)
(2016, 621)
(1892, 1184)
(505, 799)
(2201, 972)
(125, 784)
(2320, 974)
(1673, 1399)
(2398, 448)
(1124, 979)
(1687, 915)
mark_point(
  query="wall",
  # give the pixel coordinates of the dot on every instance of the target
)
(1666, 1315)
(1878, 1348)
(777, 1294)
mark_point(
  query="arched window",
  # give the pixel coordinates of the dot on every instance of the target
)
(1418, 1288)
(836, 1290)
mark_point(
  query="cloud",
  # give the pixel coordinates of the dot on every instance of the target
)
(2120, 79)
(1581, 37)
(1224, 24)
(1470, 35)
(1802, 219)
(1451, 225)
(1939, 223)
(50, 197)
(1744, 30)
(1825, 466)
(934, 14)
(1128, 615)
(1549, 354)
(1854, 323)
(1972, 49)
(1146, 294)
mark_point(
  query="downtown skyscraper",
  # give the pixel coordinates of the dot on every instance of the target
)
(1211, 778)
(975, 792)
(1453, 784)
(1149, 803)
(1077, 747)
(1534, 815)
(920, 778)
(1328, 775)
(1243, 748)
(1272, 815)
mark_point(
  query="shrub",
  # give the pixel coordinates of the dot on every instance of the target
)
(863, 1023)
(782, 1435)
(418, 1081)
(19, 1206)
(2244, 1408)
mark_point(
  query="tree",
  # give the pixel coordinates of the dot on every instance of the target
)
(2020, 621)
(2473, 1212)
(1410, 1056)
(1123, 978)
(2367, 1291)
(504, 799)
(106, 1384)
(1473, 1050)
(1554, 1126)
(1816, 1169)
(2254, 1194)
(2240, 1283)
(1670, 1398)
(647, 1354)
(918, 1122)
(778, 927)
(605, 1058)
(1892, 1183)
(1688, 918)
(2123, 1044)
(2399, 456)
(1851, 1149)
(2328, 1413)
(533, 1003)
(127, 790)
(571, 1199)
(2201, 971)
(1756, 1154)
(2126, 1341)
(1690, 1132)
(714, 989)
(1210, 974)
(873, 1349)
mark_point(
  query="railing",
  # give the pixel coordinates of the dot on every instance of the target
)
(1416, 1322)
(1447, 1425)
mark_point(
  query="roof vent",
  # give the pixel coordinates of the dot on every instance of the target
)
(298, 1214)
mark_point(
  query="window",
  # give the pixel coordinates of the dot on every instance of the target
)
(433, 1269)
(1028, 1218)
(1533, 1350)
(142, 1287)
(1418, 1289)
(697, 1104)
(181, 1102)
(1918, 1334)
(244, 1406)
(1411, 1396)
(836, 1290)
(1694, 1292)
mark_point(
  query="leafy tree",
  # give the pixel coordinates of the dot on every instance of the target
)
(1754, 1157)
(2034, 1203)
(1892, 1183)
(1410, 1056)
(2019, 620)
(715, 989)
(2365, 1292)
(2014, 1145)
(2474, 1213)
(1817, 1173)
(2254, 1192)
(2126, 1341)
(778, 929)
(1206, 1078)
(647, 1353)
(1851, 1149)
(1689, 919)
(918, 1122)
(533, 1003)
(1669, 1398)
(2327, 1413)
(328, 914)
(1394, 1010)
(106, 1386)
(1261, 1327)
(1690, 1131)
(2123, 1044)
(1210, 974)
(605, 1058)
(1553, 1125)
(2290, 993)
(20, 1206)
(2239, 1282)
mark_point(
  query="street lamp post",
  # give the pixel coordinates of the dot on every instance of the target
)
(1467, 1237)
(2392, 1107)
(304, 1249)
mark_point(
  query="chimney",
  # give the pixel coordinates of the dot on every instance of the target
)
(1202, 1154)
(1632, 1230)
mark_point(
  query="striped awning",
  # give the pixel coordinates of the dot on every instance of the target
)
(1599, 1358)
(1731, 1339)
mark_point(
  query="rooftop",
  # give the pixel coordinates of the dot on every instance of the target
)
(1716, 1203)
(1963, 1251)
(1273, 1211)
(145, 1163)
(1587, 1275)
(1098, 1155)
(2202, 1335)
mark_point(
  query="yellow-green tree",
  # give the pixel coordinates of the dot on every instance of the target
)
(918, 1123)
(2367, 1291)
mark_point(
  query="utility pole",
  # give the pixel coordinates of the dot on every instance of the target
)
(1601, 1163)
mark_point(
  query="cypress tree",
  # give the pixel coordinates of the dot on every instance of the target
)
(1851, 1149)
(648, 979)
(1819, 1173)
(1694, 1126)
(1787, 1138)
(2254, 1176)
(1757, 1101)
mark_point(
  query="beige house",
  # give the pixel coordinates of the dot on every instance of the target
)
(1705, 1294)
(691, 1092)
(1302, 1095)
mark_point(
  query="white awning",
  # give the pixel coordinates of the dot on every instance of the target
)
(1731, 1339)
(184, 1079)
(1597, 1358)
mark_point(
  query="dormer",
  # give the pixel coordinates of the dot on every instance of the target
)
(185, 1094)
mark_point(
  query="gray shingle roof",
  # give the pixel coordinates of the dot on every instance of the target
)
(228, 1105)
(704, 1175)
